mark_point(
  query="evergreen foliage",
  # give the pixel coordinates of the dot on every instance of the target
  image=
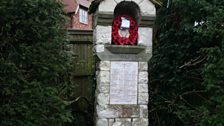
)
(187, 67)
(35, 68)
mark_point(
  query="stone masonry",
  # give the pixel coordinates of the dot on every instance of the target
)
(110, 110)
(121, 115)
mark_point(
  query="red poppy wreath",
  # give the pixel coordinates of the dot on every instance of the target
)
(131, 38)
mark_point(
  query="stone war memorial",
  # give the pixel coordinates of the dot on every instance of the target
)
(123, 43)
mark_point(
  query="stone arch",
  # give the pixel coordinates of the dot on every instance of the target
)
(129, 8)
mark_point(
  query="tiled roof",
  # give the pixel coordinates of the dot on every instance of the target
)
(70, 5)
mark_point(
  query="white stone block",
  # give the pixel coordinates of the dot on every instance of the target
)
(107, 6)
(117, 124)
(145, 36)
(111, 122)
(147, 8)
(143, 88)
(149, 50)
(143, 78)
(103, 98)
(143, 66)
(124, 121)
(103, 88)
(106, 112)
(103, 77)
(103, 34)
(144, 111)
(101, 122)
(99, 48)
(140, 122)
(104, 65)
(143, 98)
(101, 107)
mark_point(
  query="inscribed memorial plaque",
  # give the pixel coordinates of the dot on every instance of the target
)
(123, 82)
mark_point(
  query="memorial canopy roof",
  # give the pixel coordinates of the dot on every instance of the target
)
(95, 3)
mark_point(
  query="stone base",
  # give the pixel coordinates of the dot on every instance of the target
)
(122, 122)
(121, 115)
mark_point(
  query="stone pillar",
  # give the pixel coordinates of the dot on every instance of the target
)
(122, 71)
(108, 114)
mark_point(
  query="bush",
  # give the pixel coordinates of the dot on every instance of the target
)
(186, 70)
(35, 69)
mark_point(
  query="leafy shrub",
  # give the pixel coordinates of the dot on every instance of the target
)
(35, 69)
(186, 70)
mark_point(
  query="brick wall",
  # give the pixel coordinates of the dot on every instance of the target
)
(71, 8)
(75, 24)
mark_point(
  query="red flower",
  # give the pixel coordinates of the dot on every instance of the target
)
(133, 32)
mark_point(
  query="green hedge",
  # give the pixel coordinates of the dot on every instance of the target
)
(187, 67)
(35, 69)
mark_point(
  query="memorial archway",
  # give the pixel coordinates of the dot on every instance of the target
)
(125, 23)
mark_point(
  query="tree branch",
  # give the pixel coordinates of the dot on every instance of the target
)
(194, 62)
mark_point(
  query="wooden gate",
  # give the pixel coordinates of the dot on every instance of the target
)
(82, 47)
